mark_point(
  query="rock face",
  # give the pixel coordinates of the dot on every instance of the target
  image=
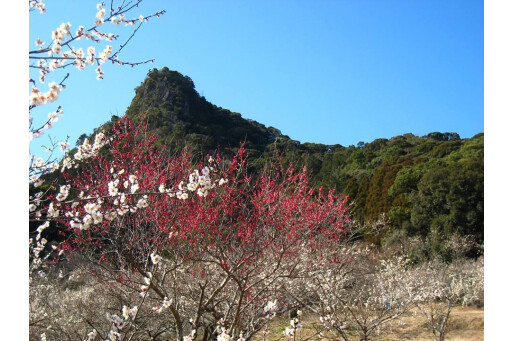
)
(177, 112)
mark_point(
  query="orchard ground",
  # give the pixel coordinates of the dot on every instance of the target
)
(465, 324)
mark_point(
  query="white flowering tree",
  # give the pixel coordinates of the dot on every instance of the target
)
(446, 285)
(354, 288)
(66, 49)
(54, 59)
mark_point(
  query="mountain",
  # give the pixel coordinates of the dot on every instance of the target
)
(175, 111)
(429, 186)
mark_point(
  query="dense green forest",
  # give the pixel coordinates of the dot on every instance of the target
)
(430, 186)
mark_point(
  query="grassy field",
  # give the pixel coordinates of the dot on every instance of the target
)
(465, 324)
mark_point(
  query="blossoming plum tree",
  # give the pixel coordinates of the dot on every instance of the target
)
(349, 286)
(444, 286)
(216, 246)
(64, 51)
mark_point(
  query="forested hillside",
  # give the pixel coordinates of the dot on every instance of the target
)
(429, 186)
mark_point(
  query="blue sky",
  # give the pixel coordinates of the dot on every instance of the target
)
(320, 71)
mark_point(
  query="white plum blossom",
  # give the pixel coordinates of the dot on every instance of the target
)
(190, 337)
(38, 182)
(134, 188)
(290, 332)
(86, 150)
(110, 216)
(192, 186)
(61, 32)
(87, 222)
(75, 224)
(116, 320)
(271, 306)
(105, 53)
(112, 188)
(41, 228)
(182, 195)
(56, 48)
(52, 212)
(114, 336)
(39, 98)
(155, 258)
(63, 193)
(53, 117)
(202, 192)
(38, 248)
(129, 312)
(64, 146)
(92, 335)
(67, 163)
(39, 163)
(54, 65)
(223, 336)
(38, 4)
(79, 53)
(165, 304)
(147, 280)
(295, 324)
(100, 15)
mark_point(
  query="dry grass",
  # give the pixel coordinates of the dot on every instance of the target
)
(465, 324)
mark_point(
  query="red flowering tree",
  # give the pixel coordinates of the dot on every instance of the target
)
(209, 247)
